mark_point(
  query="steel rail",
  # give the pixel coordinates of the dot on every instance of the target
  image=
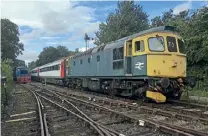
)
(78, 116)
(105, 130)
(166, 126)
(102, 127)
(189, 104)
(42, 128)
(177, 129)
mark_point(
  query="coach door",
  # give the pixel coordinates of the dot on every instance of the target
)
(128, 56)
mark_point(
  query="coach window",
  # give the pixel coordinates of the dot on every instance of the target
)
(88, 60)
(74, 63)
(81, 62)
(56, 67)
(98, 58)
(171, 43)
(139, 46)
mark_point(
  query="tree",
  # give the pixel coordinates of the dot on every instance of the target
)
(63, 51)
(32, 65)
(157, 21)
(128, 19)
(18, 62)
(49, 54)
(10, 45)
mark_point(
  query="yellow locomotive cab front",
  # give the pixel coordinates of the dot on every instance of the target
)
(166, 57)
(165, 63)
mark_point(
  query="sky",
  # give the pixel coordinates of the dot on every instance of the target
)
(44, 23)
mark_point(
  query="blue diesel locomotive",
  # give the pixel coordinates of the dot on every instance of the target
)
(22, 75)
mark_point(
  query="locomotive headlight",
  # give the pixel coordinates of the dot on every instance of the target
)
(164, 82)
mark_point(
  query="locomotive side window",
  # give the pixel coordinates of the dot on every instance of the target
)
(114, 54)
(181, 46)
(139, 46)
(98, 58)
(171, 43)
(156, 43)
(88, 60)
(118, 54)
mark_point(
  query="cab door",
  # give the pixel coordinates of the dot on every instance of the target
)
(128, 58)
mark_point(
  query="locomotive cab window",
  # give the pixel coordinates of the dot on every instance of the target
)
(139, 46)
(181, 46)
(171, 43)
(156, 44)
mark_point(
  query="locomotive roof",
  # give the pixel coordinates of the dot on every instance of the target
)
(120, 42)
(21, 67)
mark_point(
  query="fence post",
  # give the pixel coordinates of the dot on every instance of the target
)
(5, 92)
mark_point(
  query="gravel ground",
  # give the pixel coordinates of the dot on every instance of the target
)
(22, 117)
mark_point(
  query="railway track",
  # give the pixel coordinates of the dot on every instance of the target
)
(63, 121)
(157, 119)
(180, 107)
(26, 116)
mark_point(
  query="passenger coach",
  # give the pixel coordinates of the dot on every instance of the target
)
(53, 72)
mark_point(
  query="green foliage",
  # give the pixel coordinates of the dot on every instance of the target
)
(128, 19)
(63, 51)
(50, 54)
(157, 21)
(31, 65)
(10, 46)
(18, 62)
(6, 70)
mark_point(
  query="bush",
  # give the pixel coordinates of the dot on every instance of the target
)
(6, 70)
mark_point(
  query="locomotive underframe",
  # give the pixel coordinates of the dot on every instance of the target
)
(130, 87)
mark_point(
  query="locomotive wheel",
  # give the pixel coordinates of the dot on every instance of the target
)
(112, 92)
(178, 97)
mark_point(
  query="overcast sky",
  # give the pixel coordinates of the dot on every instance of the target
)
(52, 22)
